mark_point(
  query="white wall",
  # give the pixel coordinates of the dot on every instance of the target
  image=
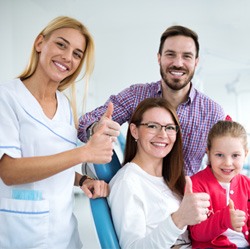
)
(127, 37)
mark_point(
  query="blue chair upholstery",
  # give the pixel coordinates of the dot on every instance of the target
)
(100, 208)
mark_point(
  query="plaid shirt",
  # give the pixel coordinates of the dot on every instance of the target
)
(197, 115)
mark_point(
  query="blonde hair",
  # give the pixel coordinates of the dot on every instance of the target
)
(227, 128)
(87, 60)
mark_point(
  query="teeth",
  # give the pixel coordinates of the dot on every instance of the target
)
(61, 66)
(227, 170)
(177, 73)
(160, 144)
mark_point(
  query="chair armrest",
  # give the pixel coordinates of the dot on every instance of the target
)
(103, 223)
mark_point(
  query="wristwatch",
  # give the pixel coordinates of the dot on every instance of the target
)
(83, 178)
(90, 131)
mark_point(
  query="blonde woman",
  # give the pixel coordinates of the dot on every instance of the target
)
(38, 142)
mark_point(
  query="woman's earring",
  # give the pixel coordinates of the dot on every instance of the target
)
(136, 140)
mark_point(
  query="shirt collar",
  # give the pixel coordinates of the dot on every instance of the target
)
(191, 94)
(158, 89)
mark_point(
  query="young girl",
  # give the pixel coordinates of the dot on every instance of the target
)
(228, 220)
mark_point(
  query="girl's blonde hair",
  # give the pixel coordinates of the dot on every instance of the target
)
(227, 128)
(87, 59)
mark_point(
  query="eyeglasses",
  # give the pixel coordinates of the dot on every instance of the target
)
(155, 128)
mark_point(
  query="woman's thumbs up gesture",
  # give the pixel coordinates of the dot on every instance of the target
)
(193, 208)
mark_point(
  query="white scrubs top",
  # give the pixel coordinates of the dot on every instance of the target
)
(39, 214)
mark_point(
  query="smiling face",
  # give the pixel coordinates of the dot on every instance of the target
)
(152, 145)
(226, 156)
(60, 54)
(177, 61)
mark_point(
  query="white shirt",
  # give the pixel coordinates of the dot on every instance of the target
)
(25, 131)
(141, 207)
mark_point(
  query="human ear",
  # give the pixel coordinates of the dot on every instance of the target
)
(38, 43)
(196, 61)
(134, 130)
(246, 153)
(208, 156)
(159, 58)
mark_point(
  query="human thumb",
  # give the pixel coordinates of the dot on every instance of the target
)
(189, 185)
(231, 204)
(109, 110)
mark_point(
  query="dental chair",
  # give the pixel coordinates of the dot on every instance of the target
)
(100, 208)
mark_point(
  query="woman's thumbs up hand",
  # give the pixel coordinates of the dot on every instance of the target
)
(193, 208)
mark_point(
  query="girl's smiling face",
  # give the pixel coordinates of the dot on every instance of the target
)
(226, 156)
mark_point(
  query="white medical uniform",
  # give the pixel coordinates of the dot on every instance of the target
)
(25, 131)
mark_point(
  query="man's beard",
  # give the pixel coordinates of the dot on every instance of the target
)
(175, 84)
